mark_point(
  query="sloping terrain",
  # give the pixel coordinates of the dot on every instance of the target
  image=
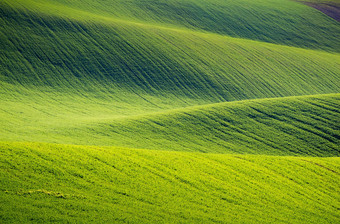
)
(307, 126)
(143, 79)
(111, 185)
(68, 55)
(330, 8)
(58, 73)
(276, 21)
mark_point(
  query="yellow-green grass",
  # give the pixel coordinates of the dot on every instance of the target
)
(43, 183)
(277, 21)
(306, 125)
(146, 81)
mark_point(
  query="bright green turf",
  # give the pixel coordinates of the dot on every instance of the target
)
(286, 126)
(307, 125)
(60, 183)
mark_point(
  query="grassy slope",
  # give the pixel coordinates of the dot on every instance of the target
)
(277, 21)
(286, 126)
(74, 56)
(336, 2)
(67, 73)
(57, 73)
(87, 184)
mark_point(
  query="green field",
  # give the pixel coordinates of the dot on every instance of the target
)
(51, 183)
(307, 125)
(177, 111)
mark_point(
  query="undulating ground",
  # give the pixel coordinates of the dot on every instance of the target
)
(169, 111)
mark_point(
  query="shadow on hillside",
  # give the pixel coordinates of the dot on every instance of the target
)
(331, 9)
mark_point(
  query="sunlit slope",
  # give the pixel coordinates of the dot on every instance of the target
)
(109, 59)
(277, 21)
(76, 77)
(287, 126)
(49, 183)
(307, 125)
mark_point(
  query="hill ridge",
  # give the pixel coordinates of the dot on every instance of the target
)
(177, 69)
(70, 12)
(302, 125)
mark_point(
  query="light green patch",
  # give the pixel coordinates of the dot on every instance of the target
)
(123, 185)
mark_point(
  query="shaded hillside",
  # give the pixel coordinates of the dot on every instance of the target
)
(276, 21)
(329, 8)
(53, 54)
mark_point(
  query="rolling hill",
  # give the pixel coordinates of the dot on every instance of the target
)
(175, 111)
(62, 183)
(276, 21)
(306, 125)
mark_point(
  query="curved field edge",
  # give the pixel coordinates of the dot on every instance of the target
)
(74, 57)
(49, 183)
(329, 8)
(276, 21)
(305, 125)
